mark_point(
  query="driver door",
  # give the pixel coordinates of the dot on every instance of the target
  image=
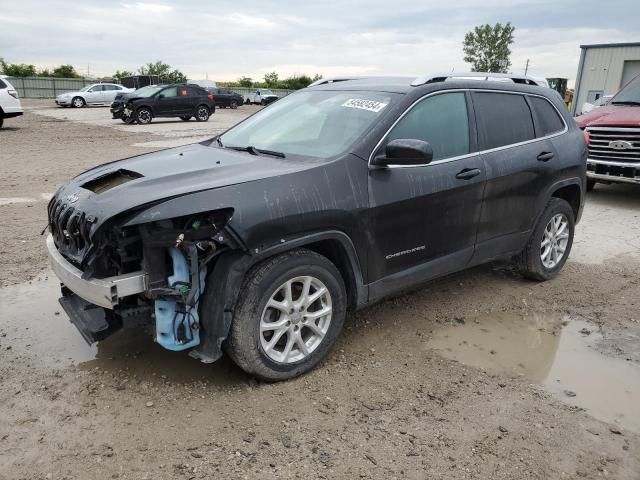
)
(423, 218)
(94, 94)
(166, 101)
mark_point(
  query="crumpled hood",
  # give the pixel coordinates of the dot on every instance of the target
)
(611, 116)
(166, 174)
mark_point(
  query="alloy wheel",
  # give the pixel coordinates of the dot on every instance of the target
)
(295, 320)
(554, 241)
(203, 113)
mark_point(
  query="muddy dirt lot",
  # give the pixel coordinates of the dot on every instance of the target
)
(479, 375)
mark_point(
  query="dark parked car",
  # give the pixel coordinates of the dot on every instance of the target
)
(146, 103)
(258, 241)
(225, 97)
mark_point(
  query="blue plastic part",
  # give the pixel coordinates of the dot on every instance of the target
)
(168, 319)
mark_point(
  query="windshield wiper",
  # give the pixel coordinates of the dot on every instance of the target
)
(256, 151)
(626, 102)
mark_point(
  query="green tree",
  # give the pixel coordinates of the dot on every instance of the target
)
(246, 82)
(17, 69)
(65, 71)
(271, 79)
(486, 48)
(119, 75)
(164, 71)
(297, 82)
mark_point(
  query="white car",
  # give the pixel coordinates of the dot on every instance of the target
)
(96, 94)
(9, 101)
(587, 106)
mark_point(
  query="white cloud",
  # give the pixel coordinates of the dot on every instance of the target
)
(148, 7)
(226, 39)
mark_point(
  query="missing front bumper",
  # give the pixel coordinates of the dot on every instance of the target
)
(104, 292)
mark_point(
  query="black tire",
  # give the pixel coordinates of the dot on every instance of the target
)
(78, 102)
(185, 118)
(202, 113)
(233, 104)
(144, 115)
(1, 120)
(591, 184)
(247, 102)
(244, 342)
(263, 102)
(129, 119)
(530, 261)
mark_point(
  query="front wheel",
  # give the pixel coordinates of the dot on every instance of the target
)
(78, 102)
(144, 115)
(290, 312)
(202, 113)
(550, 242)
(591, 184)
(233, 104)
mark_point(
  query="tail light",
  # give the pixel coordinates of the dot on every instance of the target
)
(587, 137)
(210, 96)
(13, 93)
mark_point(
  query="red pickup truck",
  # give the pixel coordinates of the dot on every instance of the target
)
(613, 138)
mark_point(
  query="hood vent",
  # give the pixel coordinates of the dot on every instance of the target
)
(111, 180)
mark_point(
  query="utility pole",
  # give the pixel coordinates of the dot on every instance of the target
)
(526, 68)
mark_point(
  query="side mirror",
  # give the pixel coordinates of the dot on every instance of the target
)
(161, 96)
(405, 151)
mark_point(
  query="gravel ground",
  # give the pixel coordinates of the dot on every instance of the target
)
(385, 404)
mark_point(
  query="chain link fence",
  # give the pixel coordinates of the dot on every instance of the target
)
(49, 87)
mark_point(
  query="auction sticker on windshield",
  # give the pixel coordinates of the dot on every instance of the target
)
(370, 105)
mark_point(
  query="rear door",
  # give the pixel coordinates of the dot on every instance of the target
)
(423, 218)
(519, 168)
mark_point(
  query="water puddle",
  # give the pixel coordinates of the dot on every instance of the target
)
(34, 325)
(558, 353)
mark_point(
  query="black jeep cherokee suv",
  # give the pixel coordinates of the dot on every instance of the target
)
(180, 100)
(258, 241)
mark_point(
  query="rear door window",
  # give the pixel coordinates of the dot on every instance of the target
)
(503, 119)
(441, 120)
(2, 84)
(548, 119)
(170, 92)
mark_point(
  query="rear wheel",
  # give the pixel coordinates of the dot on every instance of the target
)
(78, 102)
(185, 118)
(550, 242)
(144, 115)
(591, 184)
(1, 120)
(290, 312)
(202, 113)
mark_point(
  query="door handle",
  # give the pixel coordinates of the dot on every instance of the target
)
(545, 156)
(468, 173)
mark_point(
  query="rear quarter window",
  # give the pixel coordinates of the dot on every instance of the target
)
(548, 119)
(2, 84)
(503, 119)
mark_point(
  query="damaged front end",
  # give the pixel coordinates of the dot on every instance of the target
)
(153, 274)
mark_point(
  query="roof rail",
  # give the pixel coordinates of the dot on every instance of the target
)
(324, 81)
(486, 76)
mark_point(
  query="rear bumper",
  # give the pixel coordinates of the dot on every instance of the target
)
(613, 171)
(104, 292)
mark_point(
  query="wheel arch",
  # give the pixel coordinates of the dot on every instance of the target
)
(227, 274)
(572, 194)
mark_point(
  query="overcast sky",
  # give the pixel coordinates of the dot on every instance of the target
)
(227, 39)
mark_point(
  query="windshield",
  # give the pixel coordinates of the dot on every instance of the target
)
(86, 88)
(313, 123)
(148, 91)
(630, 93)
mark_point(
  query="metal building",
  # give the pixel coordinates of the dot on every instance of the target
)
(603, 69)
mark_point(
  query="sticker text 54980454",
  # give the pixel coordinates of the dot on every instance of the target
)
(370, 105)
